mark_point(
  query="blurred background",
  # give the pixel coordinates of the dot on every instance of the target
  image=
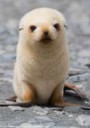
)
(77, 14)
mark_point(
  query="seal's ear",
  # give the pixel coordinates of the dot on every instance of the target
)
(20, 29)
(65, 25)
(21, 26)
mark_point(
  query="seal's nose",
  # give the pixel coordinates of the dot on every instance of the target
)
(46, 33)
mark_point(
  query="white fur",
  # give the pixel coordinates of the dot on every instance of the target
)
(43, 65)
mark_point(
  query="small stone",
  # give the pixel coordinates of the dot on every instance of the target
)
(16, 108)
(27, 125)
(8, 73)
(2, 52)
(60, 112)
(2, 79)
(74, 71)
(88, 65)
(79, 78)
(70, 115)
(49, 124)
(44, 118)
(54, 108)
(83, 120)
(64, 127)
(40, 111)
(72, 109)
(86, 102)
(73, 127)
(84, 53)
(1, 72)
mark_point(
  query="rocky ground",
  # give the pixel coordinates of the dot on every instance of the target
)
(77, 13)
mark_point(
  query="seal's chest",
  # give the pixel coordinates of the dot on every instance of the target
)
(44, 77)
(44, 90)
(46, 82)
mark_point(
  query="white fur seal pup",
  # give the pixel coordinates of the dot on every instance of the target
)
(42, 59)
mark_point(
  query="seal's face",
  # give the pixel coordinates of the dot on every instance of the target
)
(42, 26)
(44, 32)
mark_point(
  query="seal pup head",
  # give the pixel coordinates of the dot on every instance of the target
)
(42, 26)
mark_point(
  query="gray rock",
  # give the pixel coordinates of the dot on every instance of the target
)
(40, 111)
(37, 125)
(27, 125)
(73, 109)
(75, 71)
(60, 112)
(43, 118)
(16, 108)
(59, 127)
(79, 78)
(83, 120)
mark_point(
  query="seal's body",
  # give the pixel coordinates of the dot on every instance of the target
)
(42, 60)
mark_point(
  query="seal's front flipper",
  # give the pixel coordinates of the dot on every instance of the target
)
(10, 103)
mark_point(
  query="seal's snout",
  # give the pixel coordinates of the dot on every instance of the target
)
(46, 36)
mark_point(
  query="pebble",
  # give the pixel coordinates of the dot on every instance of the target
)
(64, 127)
(16, 108)
(79, 78)
(88, 65)
(37, 124)
(27, 125)
(60, 112)
(84, 53)
(70, 115)
(75, 71)
(43, 118)
(72, 109)
(40, 111)
(9, 80)
(83, 120)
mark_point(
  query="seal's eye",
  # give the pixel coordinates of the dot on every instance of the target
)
(57, 26)
(33, 28)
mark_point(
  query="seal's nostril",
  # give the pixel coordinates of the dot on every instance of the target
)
(46, 33)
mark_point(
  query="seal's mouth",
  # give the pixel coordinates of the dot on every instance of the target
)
(46, 40)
